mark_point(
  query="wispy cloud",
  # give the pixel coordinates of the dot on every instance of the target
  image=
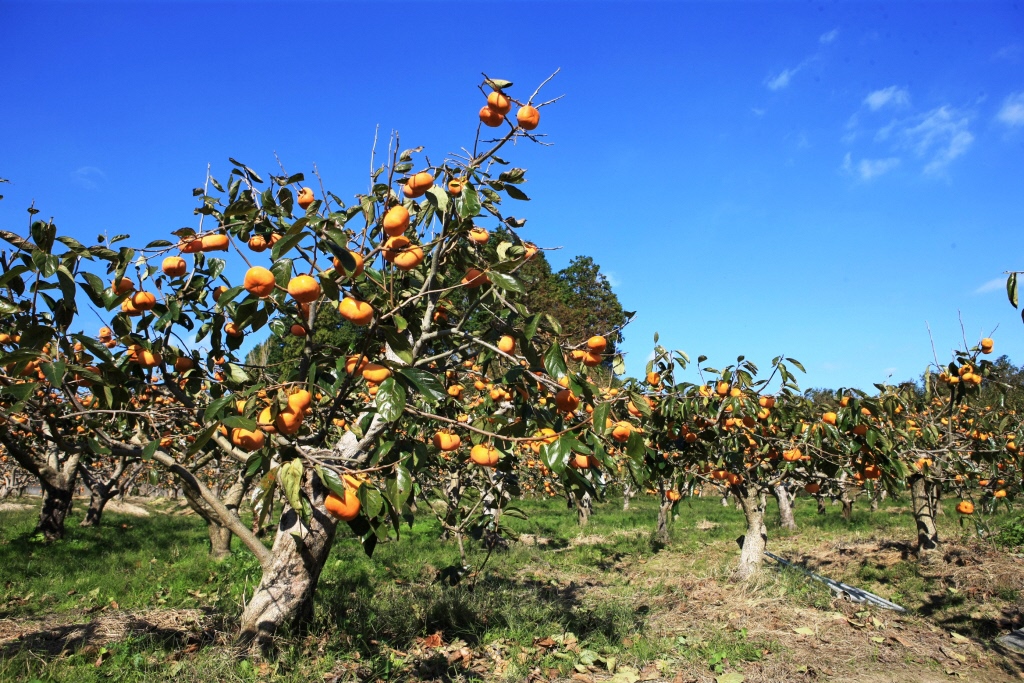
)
(867, 169)
(88, 177)
(940, 135)
(1012, 111)
(758, 112)
(613, 279)
(891, 96)
(830, 37)
(1010, 53)
(781, 80)
(992, 285)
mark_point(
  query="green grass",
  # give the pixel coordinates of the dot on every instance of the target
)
(370, 612)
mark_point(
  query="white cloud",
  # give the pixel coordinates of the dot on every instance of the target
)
(893, 95)
(868, 169)
(1009, 53)
(826, 38)
(782, 80)
(613, 279)
(991, 286)
(88, 177)
(941, 134)
(757, 112)
(1012, 111)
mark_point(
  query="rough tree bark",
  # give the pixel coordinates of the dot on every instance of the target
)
(291, 569)
(584, 506)
(285, 592)
(101, 490)
(786, 519)
(56, 481)
(627, 494)
(755, 539)
(923, 504)
(219, 534)
(661, 534)
(847, 500)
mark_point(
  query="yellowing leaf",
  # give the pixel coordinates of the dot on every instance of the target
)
(804, 631)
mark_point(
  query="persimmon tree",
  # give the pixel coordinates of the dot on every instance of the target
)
(343, 435)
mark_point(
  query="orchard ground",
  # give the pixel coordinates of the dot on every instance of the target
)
(138, 599)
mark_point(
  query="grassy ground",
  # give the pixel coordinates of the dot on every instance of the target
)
(138, 600)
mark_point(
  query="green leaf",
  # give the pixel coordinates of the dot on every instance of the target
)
(289, 476)
(554, 362)
(506, 282)
(556, 455)
(400, 487)
(470, 205)
(601, 411)
(390, 400)
(150, 449)
(236, 374)
(202, 439)
(530, 329)
(425, 383)
(1011, 289)
(438, 197)
(515, 193)
(399, 343)
(239, 422)
(55, 372)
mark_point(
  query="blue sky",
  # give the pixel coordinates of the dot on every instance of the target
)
(816, 179)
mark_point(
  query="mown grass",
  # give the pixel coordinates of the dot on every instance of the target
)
(370, 612)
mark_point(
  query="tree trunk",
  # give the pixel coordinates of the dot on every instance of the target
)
(220, 536)
(101, 491)
(56, 506)
(661, 535)
(847, 501)
(756, 538)
(821, 504)
(584, 506)
(786, 519)
(627, 495)
(284, 595)
(875, 497)
(924, 514)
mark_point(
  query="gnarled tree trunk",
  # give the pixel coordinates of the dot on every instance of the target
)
(661, 534)
(584, 506)
(101, 491)
(786, 519)
(284, 595)
(627, 494)
(923, 505)
(754, 541)
(219, 534)
(56, 480)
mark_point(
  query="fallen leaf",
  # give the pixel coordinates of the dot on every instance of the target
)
(957, 638)
(804, 631)
(731, 677)
(876, 639)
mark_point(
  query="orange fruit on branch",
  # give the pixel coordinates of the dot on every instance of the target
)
(305, 198)
(355, 311)
(304, 289)
(259, 282)
(491, 118)
(174, 266)
(528, 117)
(215, 242)
(396, 220)
(484, 455)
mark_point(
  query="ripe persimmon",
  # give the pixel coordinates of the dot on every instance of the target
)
(258, 243)
(259, 281)
(358, 258)
(174, 266)
(396, 220)
(447, 441)
(965, 507)
(507, 344)
(478, 235)
(123, 286)
(566, 401)
(475, 278)
(143, 300)
(345, 507)
(987, 344)
(528, 117)
(597, 344)
(355, 311)
(490, 117)
(304, 289)
(455, 187)
(305, 198)
(409, 258)
(215, 242)
(231, 329)
(375, 373)
(484, 455)
(247, 440)
(499, 102)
